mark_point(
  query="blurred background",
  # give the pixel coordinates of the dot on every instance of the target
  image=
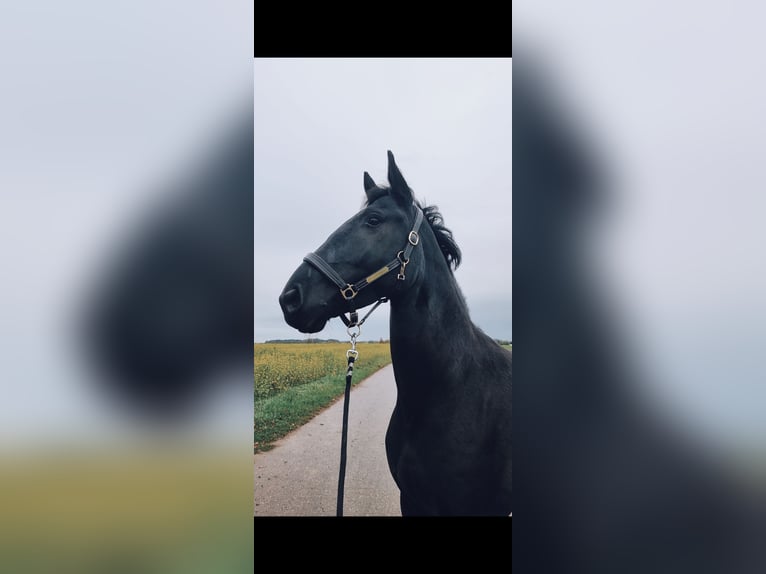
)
(638, 277)
(126, 241)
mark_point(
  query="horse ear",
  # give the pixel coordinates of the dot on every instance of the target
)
(369, 184)
(399, 187)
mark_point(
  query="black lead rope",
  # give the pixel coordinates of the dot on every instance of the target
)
(352, 322)
(352, 354)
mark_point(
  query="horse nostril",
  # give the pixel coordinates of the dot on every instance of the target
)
(291, 300)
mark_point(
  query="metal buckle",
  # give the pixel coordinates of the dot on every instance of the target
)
(348, 292)
(413, 238)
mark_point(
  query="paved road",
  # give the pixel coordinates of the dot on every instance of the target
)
(299, 477)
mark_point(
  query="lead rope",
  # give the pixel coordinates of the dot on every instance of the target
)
(351, 355)
(351, 323)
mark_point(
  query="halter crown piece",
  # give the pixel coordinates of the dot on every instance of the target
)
(348, 290)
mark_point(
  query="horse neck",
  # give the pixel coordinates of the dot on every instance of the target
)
(430, 324)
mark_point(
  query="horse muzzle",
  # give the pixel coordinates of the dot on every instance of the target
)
(295, 310)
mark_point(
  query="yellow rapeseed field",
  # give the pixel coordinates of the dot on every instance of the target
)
(277, 366)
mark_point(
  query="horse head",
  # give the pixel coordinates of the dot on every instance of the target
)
(371, 256)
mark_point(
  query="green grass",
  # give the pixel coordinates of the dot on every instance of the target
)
(277, 415)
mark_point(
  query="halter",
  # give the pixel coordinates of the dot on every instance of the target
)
(348, 290)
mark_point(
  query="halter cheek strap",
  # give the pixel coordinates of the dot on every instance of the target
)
(325, 268)
(347, 290)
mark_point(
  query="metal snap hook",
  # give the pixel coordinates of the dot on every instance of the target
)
(353, 334)
(404, 262)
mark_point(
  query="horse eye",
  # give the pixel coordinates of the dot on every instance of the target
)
(373, 221)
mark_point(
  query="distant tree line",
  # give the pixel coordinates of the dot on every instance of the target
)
(309, 340)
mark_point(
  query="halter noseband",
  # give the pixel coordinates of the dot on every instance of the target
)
(347, 290)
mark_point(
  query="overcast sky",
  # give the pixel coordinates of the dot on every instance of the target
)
(321, 123)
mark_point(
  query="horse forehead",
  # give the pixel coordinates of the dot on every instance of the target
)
(375, 194)
(338, 238)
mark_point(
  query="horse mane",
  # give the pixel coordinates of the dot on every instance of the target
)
(433, 216)
(444, 236)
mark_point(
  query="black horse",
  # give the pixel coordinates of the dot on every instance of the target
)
(449, 439)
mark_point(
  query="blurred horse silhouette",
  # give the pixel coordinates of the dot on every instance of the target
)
(449, 439)
(607, 484)
(174, 307)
